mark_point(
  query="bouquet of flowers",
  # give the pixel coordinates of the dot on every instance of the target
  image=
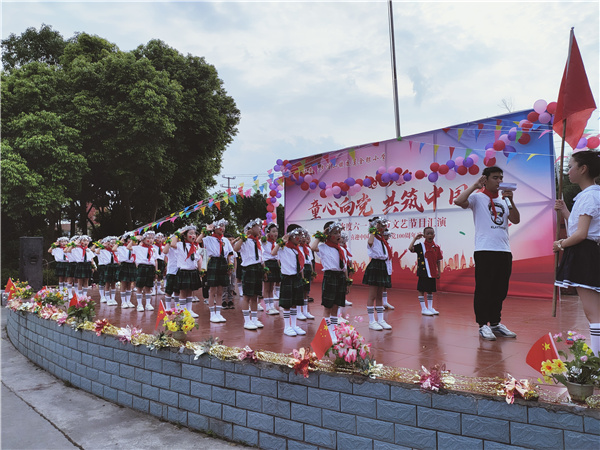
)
(22, 290)
(179, 320)
(584, 368)
(48, 296)
(82, 311)
(351, 348)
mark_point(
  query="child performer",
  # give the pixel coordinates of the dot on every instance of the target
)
(388, 263)
(57, 250)
(250, 249)
(159, 243)
(429, 257)
(126, 273)
(220, 264)
(271, 263)
(229, 291)
(308, 274)
(189, 264)
(108, 264)
(83, 256)
(146, 267)
(72, 264)
(350, 268)
(333, 259)
(171, 287)
(291, 258)
(376, 274)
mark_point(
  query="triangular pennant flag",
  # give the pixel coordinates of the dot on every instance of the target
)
(202, 208)
(543, 133)
(435, 148)
(161, 313)
(460, 133)
(73, 301)
(451, 151)
(468, 152)
(10, 288)
(480, 126)
(352, 154)
(510, 156)
(270, 171)
(322, 340)
(410, 145)
(226, 199)
(218, 205)
(333, 160)
(532, 155)
(477, 134)
(421, 145)
(543, 350)
(234, 199)
(446, 130)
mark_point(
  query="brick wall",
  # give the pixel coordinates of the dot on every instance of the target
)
(269, 406)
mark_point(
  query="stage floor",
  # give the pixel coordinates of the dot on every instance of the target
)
(451, 338)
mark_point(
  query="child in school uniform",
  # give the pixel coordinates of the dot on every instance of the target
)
(333, 260)
(108, 265)
(304, 245)
(57, 250)
(429, 257)
(146, 266)
(83, 256)
(126, 273)
(171, 287)
(291, 295)
(376, 274)
(189, 263)
(72, 264)
(220, 265)
(271, 263)
(345, 237)
(250, 249)
(159, 244)
(229, 291)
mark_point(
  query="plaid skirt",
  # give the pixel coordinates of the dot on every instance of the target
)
(83, 270)
(252, 280)
(291, 293)
(274, 276)
(333, 289)
(376, 274)
(101, 274)
(61, 269)
(171, 284)
(144, 275)
(426, 284)
(580, 266)
(188, 280)
(308, 269)
(216, 272)
(71, 269)
(126, 272)
(161, 267)
(110, 275)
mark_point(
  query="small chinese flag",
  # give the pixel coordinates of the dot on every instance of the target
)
(73, 301)
(541, 351)
(322, 340)
(10, 287)
(161, 314)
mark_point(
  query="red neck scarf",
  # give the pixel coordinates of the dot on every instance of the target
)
(115, 260)
(150, 250)
(300, 257)
(340, 252)
(84, 250)
(160, 246)
(347, 251)
(306, 249)
(386, 245)
(192, 250)
(257, 246)
(219, 237)
(270, 239)
(492, 197)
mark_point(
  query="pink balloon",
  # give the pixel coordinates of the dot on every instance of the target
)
(451, 175)
(504, 138)
(328, 192)
(308, 178)
(474, 157)
(540, 106)
(545, 117)
(336, 190)
(391, 170)
(459, 160)
(382, 170)
(490, 153)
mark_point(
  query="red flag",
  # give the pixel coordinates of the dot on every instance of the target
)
(10, 287)
(541, 351)
(575, 102)
(73, 301)
(161, 314)
(322, 340)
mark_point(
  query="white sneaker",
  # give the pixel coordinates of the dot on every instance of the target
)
(250, 326)
(300, 316)
(348, 303)
(124, 305)
(194, 298)
(384, 324)
(214, 318)
(161, 292)
(426, 312)
(299, 331)
(103, 300)
(289, 331)
(258, 323)
(260, 308)
(309, 315)
(486, 333)
(149, 307)
(131, 305)
(111, 302)
(193, 314)
(375, 326)
(140, 308)
(388, 306)
(205, 301)
(273, 312)
(501, 330)
(433, 311)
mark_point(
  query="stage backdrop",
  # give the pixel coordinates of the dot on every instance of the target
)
(431, 170)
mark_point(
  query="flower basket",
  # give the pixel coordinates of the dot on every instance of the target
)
(179, 335)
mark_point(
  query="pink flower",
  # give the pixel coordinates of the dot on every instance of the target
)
(584, 358)
(351, 357)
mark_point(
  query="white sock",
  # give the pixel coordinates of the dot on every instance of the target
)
(371, 313)
(385, 302)
(422, 301)
(293, 316)
(168, 302)
(305, 308)
(429, 301)
(127, 296)
(286, 319)
(246, 314)
(595, 338)
(147, 299)
(379, 310)
(333, 320)
(113, 294)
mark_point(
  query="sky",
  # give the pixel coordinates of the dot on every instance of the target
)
(313, 77)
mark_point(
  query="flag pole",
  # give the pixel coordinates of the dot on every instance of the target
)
(394, 76)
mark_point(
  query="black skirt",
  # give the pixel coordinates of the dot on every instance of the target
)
(376, 274)
(580, 266)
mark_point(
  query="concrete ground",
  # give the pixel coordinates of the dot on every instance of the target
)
(40, 412)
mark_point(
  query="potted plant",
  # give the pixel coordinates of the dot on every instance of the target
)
(179, 322)
(82, 311)
(579, 374)
(350, 349)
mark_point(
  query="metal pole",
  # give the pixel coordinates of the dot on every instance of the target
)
(394, 76)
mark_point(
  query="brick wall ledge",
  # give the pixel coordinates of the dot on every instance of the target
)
(268, 406)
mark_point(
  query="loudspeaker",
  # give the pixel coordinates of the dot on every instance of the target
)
(30, 261)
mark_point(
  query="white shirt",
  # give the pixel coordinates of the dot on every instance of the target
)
(104, 257)
(185, 261)
(248, 253)
(288, 261)
(491, 233)
(77, 255)
(213, 248)
(587, 202)
(330, 258)
(59, 254)
(172, 257)
(141, 254)
(123, 254)
(267, 248)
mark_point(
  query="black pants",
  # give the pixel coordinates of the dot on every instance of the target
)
(492, 273)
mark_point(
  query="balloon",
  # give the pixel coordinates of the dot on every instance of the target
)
(276, 204)
(512, 134)
(345, 187)
(336, 190)
(499, 145)
(280, 187)
(273, 200)
(540, 106)
(545, 117)
(490, 153)
(272, 193)
(350, 181)
(288, 166)
(582, 143)
(359, 181)
(343, 193)
(434, 166)
(522, 122)
(419, 174)
(269, 216)
(367, 182)
(509, 149)
(300, 179)
(468, 162)
(308, 178)
(533, 116)
(433, 177)
(338, 195)
(459, 161)
(593, 142)
(279, 162)
(286, 173)
(527, 125)
(489, 145)
(276, 167)
(462, 170)
(273, 216)
(312, 185)
(551, 108)
(323, 194)
(385, 177)
(524, 139)
(474, 170)
(270, 208)
(504, 138)
(407, 176)
(278, 195)
(451, 175)
(398, 170)
(474, 157)
(322, 184)
(444, 169)
(329, 192)
(391, 170)
(395, 176)
(489, 162)
(450, 163)
(382, 170)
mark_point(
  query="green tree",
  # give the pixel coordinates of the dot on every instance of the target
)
(45, 46)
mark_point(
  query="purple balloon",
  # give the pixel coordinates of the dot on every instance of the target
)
(407, 177)
(278, 195)
(489, 145)
(450, 163)
(288, 165)
(367, 182)
(582, 143)
(279, 162)
(468, 162)
(300, 179)
(343, 193)
(286, 173)
(395, 176)
(385, 178)
(322, 184)
(269, 216)
(433, 177)
(337, 195)
(276, 167)
(512, 135)
(273, 200)
(508, 150)
(313, 185)
(350, 181)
